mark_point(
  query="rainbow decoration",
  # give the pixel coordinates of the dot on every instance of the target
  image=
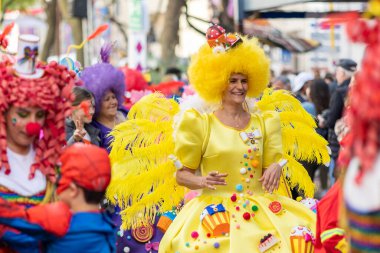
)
(21, 200)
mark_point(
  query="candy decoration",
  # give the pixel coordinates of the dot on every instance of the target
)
(254, 208)
(216, 220)
(243, 171)
(246, 216)
(254, 163)
(233, 198)
(267, 242)
(216, 245)
(275, 207)
(194, 234)
(165, 220)
(310, 203)
(143, 233)
(239, 187)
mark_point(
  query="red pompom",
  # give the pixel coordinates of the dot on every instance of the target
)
(246, 216)
(194, 234)
(233, 198)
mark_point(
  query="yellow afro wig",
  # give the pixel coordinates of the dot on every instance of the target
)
(209, 72)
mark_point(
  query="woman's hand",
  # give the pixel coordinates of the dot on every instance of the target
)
(271, 177)
(213, 178)
(186, 177)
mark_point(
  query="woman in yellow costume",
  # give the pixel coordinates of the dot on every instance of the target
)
(244, 167)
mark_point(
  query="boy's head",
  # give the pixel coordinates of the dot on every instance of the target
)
(85, 170)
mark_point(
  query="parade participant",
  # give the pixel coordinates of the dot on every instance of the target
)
(331, 237)
(107, 84)
(78, 127)
(361, 190)
(35, 99)
(243, 158)
(82, 227)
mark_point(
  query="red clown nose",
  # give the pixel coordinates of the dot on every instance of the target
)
(33, 128)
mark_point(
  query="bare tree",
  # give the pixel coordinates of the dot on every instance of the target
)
(50, 7)
(169, 37)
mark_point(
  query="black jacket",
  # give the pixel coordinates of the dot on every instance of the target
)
(336, 112)
(91, 130)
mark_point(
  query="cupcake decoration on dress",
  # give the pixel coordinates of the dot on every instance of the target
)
(267, 242)
(302, 240)
(310, 203)
(216, 220)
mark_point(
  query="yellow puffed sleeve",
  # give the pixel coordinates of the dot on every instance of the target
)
(272, 150)
(189, 139)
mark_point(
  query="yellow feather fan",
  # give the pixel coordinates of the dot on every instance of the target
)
(299, 139)
(142, 174)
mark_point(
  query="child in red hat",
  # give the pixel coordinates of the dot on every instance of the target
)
(75, 223)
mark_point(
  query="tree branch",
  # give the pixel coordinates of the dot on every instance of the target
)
(4, 9)
(121, 28)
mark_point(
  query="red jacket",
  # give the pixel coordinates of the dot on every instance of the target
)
(330, 237)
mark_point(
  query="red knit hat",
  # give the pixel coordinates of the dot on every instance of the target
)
(88, 166)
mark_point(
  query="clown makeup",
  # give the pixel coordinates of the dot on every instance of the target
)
(18, 120)
(84, 111)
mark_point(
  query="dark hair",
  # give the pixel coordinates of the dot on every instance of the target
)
(329, 77)
(319, 95)
(174, 71)
(81, 94)
(92, 197)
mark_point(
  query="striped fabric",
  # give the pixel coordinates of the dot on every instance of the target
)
(21, 200)
(364, 229)
(330, 233)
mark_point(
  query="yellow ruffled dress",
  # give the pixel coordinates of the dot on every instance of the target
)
(252, 216)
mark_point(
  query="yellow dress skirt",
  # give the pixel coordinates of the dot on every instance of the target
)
(239, 217)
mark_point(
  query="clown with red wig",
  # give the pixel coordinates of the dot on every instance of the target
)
(33, 107)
